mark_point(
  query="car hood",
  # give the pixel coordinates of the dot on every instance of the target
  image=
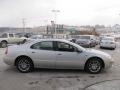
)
(97, 52)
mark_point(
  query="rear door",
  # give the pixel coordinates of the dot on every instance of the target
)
(43, 54)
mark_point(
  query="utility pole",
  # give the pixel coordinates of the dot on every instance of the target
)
(55, 21)
(24, 25)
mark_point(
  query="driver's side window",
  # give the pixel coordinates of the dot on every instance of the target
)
(65, 47)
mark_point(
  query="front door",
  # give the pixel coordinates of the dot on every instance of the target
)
(68, 57)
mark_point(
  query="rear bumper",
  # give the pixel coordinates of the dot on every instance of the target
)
(8, 60)
(108, 45)
(87, 45)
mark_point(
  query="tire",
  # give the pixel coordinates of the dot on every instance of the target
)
(24, 64)
(113, 48)
(23, 41)
(90, 45)
(3, 44)
(94, 66)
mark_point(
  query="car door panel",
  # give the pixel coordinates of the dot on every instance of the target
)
(43, 58)
(69, 60)
(43, 54)
(67, 57)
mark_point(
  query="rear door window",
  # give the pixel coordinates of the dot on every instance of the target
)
(11, 35)
(45, 45)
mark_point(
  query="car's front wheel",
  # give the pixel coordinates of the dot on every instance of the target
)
(94, 65)
(24, 64)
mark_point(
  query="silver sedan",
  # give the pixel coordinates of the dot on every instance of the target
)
(58, 54)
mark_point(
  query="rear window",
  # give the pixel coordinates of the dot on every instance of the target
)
(108, 39)
(45, 45)
(11, 35)
(84, 37)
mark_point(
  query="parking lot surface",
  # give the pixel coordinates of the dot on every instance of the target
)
(51, 79)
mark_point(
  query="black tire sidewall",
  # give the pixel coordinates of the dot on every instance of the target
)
(87, 68)
(31, 65)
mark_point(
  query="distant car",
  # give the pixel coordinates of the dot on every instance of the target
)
(86, 41)
(36, 37)
(27, 35)
(10, 38)
(58, 54)
(108, 42)
(72, 40)
(97, 40)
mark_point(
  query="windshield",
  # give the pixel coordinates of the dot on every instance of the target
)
(108, 39)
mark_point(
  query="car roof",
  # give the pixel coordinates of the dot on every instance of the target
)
(61, 40)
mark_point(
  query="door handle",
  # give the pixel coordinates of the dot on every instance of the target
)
(59, 54)
(33, 52)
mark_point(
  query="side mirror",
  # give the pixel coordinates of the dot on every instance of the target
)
(79, 51)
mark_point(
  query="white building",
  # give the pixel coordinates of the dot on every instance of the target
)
(104, 30)
(116, 28)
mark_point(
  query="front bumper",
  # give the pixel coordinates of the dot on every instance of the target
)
(109, 63)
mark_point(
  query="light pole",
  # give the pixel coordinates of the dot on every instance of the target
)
(24, 25)
(55, 20)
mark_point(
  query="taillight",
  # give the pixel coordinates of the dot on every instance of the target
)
(6, 51)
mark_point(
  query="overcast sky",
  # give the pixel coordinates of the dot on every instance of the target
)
(72, 12)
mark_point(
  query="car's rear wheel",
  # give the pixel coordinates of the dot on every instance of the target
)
(114, 48)
(94, 65)
(24, 64)
(3, 44)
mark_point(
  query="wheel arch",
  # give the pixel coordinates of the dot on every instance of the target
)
(4, 41)
(103, 63)
(16, 60)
